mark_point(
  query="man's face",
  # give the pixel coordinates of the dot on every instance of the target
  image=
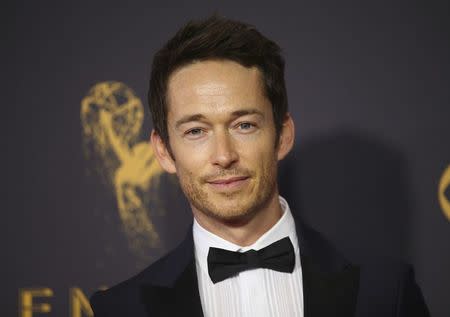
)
(222, 137)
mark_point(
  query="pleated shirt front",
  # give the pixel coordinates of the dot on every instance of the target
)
(258, 292)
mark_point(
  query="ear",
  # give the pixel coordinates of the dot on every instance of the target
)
(162, 153)
(287, 137)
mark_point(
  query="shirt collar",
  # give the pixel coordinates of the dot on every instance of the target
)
(204, 239)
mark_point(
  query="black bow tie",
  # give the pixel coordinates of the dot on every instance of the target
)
(278, 256)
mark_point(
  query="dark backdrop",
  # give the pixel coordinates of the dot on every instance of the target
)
(368, 86)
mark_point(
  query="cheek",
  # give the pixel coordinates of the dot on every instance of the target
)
(190, 167)
(190, 156)
(258, 154)
(187, 167)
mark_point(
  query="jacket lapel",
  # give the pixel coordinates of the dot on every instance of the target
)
(170, 294)
(330, 283)
(329, 294)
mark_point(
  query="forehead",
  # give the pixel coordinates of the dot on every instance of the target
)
(214, 86)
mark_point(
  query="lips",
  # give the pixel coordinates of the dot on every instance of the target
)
(229, 184)
(228, 180)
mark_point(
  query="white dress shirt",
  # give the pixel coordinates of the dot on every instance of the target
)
(253, 293)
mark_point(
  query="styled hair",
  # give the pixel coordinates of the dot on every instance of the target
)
(217, 38)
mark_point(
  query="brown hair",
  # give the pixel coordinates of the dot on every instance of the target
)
(217, 38)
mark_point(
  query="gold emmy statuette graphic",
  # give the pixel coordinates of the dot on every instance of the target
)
(112, 117)
(444, 183)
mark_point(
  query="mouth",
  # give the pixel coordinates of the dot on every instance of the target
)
(229, 183)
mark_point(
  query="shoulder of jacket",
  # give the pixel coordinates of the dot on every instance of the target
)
(128, 293)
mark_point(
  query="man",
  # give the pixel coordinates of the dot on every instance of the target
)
(219, 107)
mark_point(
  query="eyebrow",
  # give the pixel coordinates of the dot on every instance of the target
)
(199, 116)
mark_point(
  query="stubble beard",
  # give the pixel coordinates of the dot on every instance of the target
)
(247, 208)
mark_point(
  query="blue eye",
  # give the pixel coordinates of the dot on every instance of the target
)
(195, 131)
(246, 126)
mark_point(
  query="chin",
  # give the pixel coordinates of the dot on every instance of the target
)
(234, 216)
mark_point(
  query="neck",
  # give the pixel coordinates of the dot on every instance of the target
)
(243, 232)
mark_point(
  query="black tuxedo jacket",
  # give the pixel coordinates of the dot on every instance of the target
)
(331, 286)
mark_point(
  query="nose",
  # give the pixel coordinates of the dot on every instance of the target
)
(224, 153)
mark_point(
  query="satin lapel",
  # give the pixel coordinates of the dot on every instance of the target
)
(330, 283)
(173, 288)
(329, 294)
(182, 299)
